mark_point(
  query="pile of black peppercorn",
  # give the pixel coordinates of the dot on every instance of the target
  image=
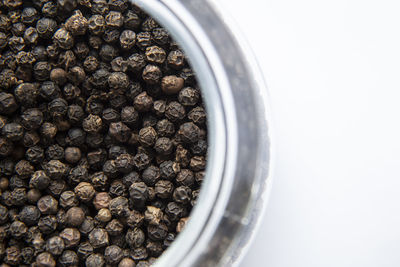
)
(102, 135)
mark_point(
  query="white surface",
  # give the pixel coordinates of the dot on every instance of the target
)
(333, 70)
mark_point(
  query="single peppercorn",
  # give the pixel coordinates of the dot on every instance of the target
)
(92, 124)
(68, 258)
(71, 237)
(46, 27)
(98, 238)
(151, 74)
(68, 199)
(75, 216)
(39, 180)
(84, 191)
(118, 81)
(47, 205)
(63, 39)
(45, 259)
(55, 245)
(95, 260)
(72, 154)
(77, 24)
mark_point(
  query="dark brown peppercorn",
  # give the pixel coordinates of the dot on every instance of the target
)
(92, 124)
(126, 262)
(147, 136)
(127, 39)
(39, 180)
(46, 27)
(75, 216)
(68, 258)
(68, 199)
(118, 81)
(114, 19)
(7, 103)
(143, 102)
(77, 24)
(175, 111)
(90, 64)
(119, 206)
(151, 74)
(47, 205)
(176, 59)
(95, 260)
(99, 181)
(63, 39)
(72, 154)
(182, 195)
(33, 196)
(119, 131)
(18, 229)
(114, 228)
(164, 189)
(185, 177)
(98, 238)
(87, 226)
(84, 191)
(189, 132)
(136, 62)
(155, 54)
(102, 200)
(45, 259)
(189, 96)
(56, 169)
(55, 245)
(71, 237)
(13, 131)
(164, 146)
(84, 250)
(113, 254)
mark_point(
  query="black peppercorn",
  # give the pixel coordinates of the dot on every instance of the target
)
(55, 245)
(84, 191)
(29, 15)
(75, 216)
(108, 52)
(118, 81)
(113, 254)
(39, 180)
(77, 24)
(98, 238)
(87, 225)
(63, 39)
(92, 124)
(47, 224)
(68, 258)
(68, 199)
(71, 237)
(114, 228)
(56, 169)
(118, 206)
(47, 205)
(72, 154)
(102, 200)
(95, 260)
(46, 27)
(84, 250)
(151, 74)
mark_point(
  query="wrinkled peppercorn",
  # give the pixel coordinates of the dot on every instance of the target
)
(98, 238)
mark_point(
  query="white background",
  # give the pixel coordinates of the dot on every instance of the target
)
(333, 72)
